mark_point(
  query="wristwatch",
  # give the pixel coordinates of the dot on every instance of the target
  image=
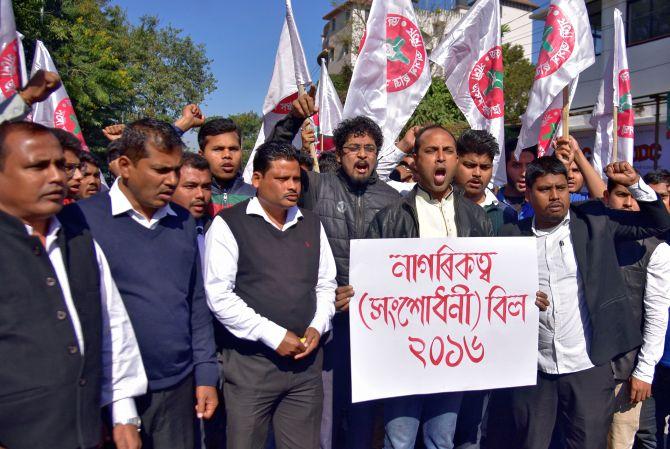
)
(136, 421)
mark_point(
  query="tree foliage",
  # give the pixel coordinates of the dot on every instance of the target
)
(112, 70)
(519, 74)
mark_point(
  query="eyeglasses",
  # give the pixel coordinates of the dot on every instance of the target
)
(71, 168)
(369, 149)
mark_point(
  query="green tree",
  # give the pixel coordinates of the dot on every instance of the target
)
(250, 124)
(519, 74)
(438, 107)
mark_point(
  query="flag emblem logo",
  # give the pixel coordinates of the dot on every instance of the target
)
(558, 43)
(486, 84)
(626, 116)
(550, 122)
(285, 106)
(65, 118)
(9, 71)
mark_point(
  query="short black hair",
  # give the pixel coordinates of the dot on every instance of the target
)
(7, 128)
(114, 150)
(657, 177)
(273, 151)
(68, 140)
(87, 158)
(477, 141)
(148, 130)
(306, 160)
(194, 160)
(510, 146)
(426, 128)
(357, 127)
(215, 127)
(328, 162)
(545, 165)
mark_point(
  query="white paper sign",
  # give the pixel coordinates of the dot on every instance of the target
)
(440, 315)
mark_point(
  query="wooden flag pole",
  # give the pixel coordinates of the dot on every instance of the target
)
(566, 112)
(615, 134)
(312, 148)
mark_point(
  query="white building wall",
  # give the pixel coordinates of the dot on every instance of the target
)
(521, 29)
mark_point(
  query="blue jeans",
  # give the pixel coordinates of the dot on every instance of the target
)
(437, 412)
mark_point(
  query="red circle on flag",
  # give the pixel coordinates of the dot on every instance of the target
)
(9, 68)
(558, 43)
(548, 128)
(486, 84)
(405, 52)
(65, 118)
(626, 115)
(285, 106)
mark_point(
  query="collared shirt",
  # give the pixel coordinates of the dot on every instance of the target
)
(489, 199)
(523, 208)
(565, 327)
(123, 375)
(656, 303)
(220, 268)
(437, 218)
(121, 205)
(13, 109)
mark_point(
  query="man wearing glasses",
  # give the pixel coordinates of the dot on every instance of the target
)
(71, 149)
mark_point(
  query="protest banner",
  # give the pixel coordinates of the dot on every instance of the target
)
(440, 315)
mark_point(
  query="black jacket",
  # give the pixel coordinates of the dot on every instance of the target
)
(345, 210)
(399, 220)
(594, 229)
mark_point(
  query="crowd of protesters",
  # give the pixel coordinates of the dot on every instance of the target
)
(182, 307)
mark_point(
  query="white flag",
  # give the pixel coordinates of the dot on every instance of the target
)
(23, 70)
(614, 91)
(392, 73)
(471, 56)
(330, 111)
(566, 51)
(56, 111)
(9, 51)
(290, 70)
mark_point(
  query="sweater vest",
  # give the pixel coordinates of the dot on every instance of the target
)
(277, 271)
(49, 391)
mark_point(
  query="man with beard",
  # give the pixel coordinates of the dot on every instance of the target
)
(588, 321)
(345, 201)
(220, 142)
(72, 150)
(434, 208)
(90, 181)
(476, 151)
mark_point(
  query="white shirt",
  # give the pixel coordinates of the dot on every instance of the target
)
(656, 303)
(123, 375)
(220, 268)
(387, 160)
(489, 199)
(436, 218)
(121, 205)
(13, 109)
(565, 327)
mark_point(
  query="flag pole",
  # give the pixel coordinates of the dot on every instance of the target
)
(312, 149)
(615, 134)
(566, 112)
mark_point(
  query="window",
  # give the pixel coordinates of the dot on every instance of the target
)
(594, 9)
(647, 19)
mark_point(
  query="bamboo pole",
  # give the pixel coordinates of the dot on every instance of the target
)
(312, 149)
(615, 134)
(566, 112)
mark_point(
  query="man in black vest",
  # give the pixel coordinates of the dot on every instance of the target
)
(588, 321)
(66, 343)
(270, 280)
(345, 201)
(645, 266)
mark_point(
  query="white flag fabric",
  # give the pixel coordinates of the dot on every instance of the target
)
(57, 110)
(9, 51)
(290, 69)
(566, 51)
(330, 111)
(23, 69)
(614, 91)
(392, 73)
(471, 56)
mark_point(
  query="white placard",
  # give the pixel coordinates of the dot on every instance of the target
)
(440, 315)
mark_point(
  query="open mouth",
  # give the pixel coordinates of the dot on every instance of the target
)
(440, 176)
(361, 167)
(228, 168)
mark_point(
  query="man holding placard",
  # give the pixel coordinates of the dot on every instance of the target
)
(588, 321)
(432, 209)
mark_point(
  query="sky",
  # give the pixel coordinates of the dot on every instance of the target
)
(240, 38)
